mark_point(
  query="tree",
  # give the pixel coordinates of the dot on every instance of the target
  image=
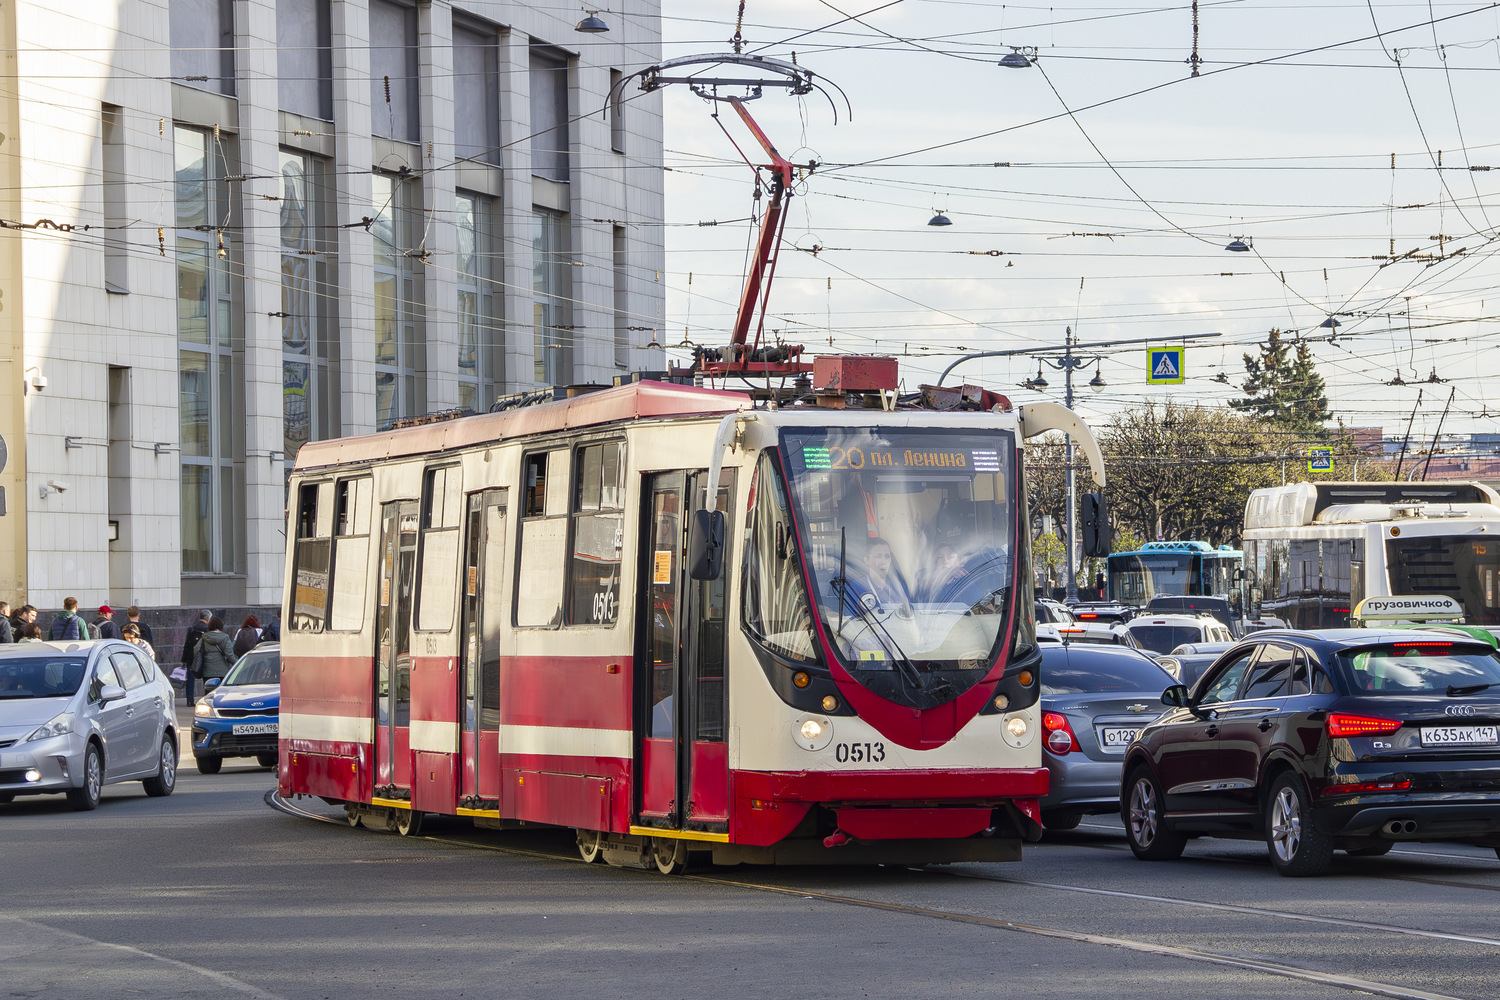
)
(1184, 472)
(1282, 386)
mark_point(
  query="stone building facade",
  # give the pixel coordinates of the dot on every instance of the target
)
(232, 226)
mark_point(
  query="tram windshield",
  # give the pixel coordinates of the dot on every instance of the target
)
(909, 539)
(1466, 569)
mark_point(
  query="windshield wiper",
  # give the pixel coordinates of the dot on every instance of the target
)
(1455, 690)
(907, 669)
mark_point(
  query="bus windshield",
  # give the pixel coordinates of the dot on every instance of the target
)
(1136, 577)
(909, 539)
(1464, 568)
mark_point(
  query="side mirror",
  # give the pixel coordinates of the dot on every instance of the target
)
(1176, 695)
(212, 682)
(706, 545)
(111, 692)
(1096, 531)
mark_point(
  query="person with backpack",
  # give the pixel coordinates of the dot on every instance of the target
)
(104, 625)
(67, 626)
(248, 635)
(272, 632)
(215, 653)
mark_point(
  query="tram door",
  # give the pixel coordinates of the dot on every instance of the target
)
(681, 697)
(398, 558)
(479, 694)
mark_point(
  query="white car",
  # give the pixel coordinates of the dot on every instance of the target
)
(1086, 632)
(1164, 633)
(76, 716)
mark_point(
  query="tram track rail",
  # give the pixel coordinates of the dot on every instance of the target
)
(1246, 963)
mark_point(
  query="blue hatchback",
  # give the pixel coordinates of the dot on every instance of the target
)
(241, 716)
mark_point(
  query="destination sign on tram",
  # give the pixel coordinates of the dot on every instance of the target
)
(834, 457)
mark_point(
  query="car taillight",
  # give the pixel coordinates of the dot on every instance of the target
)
(1340, 725)
(1060, 738)
(1361, 787)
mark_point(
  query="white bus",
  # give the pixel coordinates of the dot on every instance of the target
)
(1313, 551)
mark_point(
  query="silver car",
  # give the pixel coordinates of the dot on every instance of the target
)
(1095, 698)
(76, 716)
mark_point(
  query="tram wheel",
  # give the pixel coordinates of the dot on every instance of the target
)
(590, 845)
(408, 822)
(351, 815)
(670, 855)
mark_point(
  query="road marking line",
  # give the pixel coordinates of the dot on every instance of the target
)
(226, 981)
(1236, 908)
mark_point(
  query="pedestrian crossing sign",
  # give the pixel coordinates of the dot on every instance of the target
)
(1164, 365)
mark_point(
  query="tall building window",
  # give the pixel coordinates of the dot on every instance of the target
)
(622, 298)
(400, 330)
(307, 303)
(393, 70)
(202, 34)
(477, 263)
(304, 58)
(616, 113)
(116, 207)
(207, 341)
(552, 297)
(549, 116)
(476, 95)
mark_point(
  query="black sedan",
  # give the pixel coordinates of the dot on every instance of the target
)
(1094, 700)
(1343, 739)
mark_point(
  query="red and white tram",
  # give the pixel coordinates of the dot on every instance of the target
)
(507, 617)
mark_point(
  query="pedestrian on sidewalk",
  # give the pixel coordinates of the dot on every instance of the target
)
(134, 614)
(131, 633)
(104, 625)
(31, 633)
(248, 635)
(7, 631)
(215, 653)
(67, 626)
(190, 649)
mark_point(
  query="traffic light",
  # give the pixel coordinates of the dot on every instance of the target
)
(1096, 529)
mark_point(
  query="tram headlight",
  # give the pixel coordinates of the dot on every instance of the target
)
(1018, 731)
(812, 732)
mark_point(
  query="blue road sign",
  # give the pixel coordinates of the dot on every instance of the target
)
(1164, 365)
(1319, 459)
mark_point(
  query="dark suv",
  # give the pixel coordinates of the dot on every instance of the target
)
(1350, 739)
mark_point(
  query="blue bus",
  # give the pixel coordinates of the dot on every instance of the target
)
(1172, 568)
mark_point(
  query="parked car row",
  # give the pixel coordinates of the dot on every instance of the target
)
(1348, 740)
(76, 716)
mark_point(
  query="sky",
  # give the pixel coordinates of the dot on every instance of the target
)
(1124, 180)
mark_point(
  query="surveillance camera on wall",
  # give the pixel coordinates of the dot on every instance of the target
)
(58, 486)
(39, 381)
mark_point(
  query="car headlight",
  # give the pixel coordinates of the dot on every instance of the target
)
(60, 725)
(203, 708)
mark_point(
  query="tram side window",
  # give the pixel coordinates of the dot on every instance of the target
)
(442, 501)
(776, 609)
(598, 534)
(351, 554)
(542, 559)
(310, 562)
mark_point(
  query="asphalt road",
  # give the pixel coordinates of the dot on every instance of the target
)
(213, 893)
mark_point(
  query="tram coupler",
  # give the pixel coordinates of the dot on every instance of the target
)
(837, 838)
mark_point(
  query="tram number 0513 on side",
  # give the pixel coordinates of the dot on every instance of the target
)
(859, 753)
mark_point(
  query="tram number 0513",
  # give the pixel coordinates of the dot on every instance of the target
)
(859, 753)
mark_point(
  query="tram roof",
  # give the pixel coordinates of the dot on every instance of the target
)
(636, 401)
